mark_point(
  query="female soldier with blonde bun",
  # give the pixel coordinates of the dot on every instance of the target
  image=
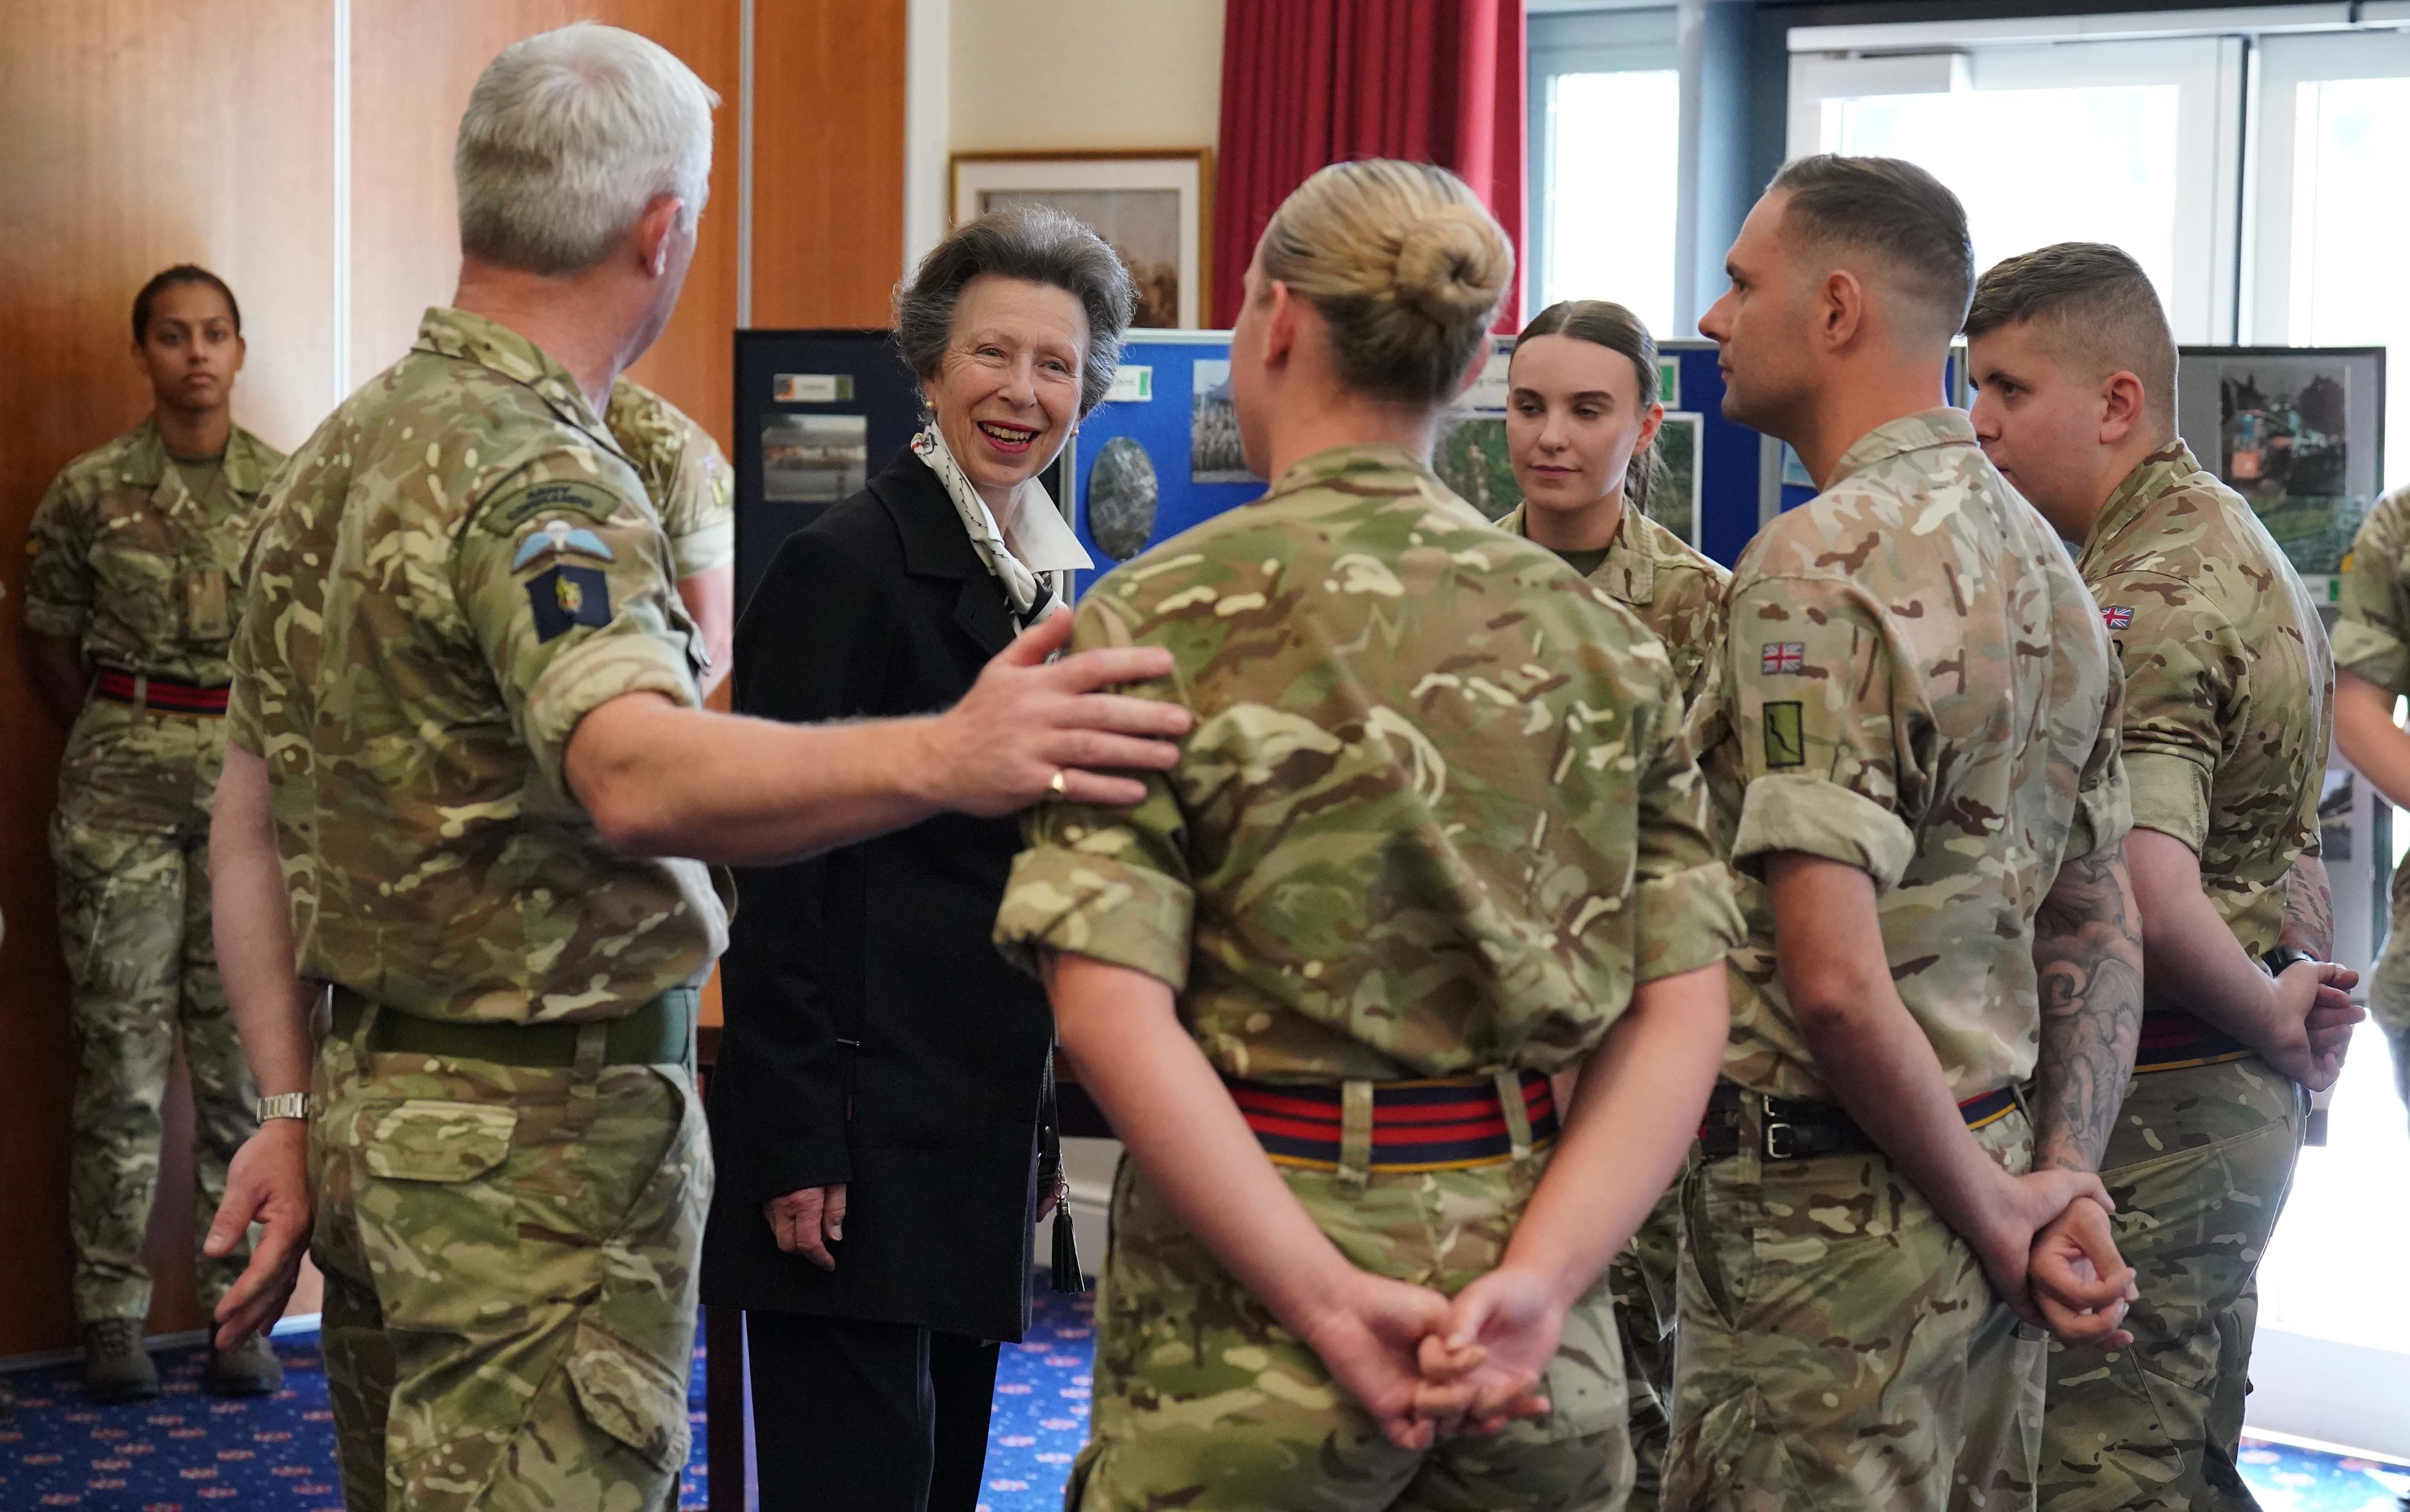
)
(1434, 838)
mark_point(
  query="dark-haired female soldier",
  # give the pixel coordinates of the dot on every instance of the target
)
(128, 613)
(1582, 420)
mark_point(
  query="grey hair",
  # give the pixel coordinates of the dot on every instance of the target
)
(569, 134)
(1030, 243)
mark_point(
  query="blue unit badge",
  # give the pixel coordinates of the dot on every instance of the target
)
(559, 538)
(564, 597)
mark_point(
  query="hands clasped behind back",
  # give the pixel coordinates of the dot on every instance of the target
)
(1027, 720)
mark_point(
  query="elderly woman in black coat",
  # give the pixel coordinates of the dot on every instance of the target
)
(876, 1105)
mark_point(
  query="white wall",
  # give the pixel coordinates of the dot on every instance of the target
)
(1086, 74)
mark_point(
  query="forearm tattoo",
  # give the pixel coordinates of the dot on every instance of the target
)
(2089, 963)
(2309, 910)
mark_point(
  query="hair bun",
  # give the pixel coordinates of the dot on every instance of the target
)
(1452, 265)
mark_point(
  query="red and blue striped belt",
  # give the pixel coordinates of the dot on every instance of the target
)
(2174, 1040)
(1450, 1124)
(164, 695)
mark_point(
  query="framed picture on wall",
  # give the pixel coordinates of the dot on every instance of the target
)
(1154, 206)
(2297, 431)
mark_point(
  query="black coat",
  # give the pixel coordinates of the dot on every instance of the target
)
(878, 607)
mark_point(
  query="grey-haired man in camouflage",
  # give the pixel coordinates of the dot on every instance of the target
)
(466, 762)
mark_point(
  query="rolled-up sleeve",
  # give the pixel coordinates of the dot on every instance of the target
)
(1685, 912)
(2371, 640)
(1815, 694)
(568, 627)
(1112, 884)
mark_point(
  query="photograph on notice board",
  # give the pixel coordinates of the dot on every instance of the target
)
(1673, 500)
(2297, 432)
(1150, 207)
(1471, 459)
(1122, 494)
(1214, 455)
(814, 458)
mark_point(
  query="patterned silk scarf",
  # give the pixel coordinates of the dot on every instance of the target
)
(1030, 594)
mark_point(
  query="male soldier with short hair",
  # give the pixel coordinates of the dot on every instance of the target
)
(1915, 756)
(128, 617)
(2372, 657)
(467, 739)
(692, 490)
(2224, 732)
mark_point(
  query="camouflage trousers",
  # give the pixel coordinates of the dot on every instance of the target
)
(1645, 1281)
(1203, 1401)
(2389, 987)
(1841, 1347)
(129, 842)
(510, 1260)
(2200, 1167)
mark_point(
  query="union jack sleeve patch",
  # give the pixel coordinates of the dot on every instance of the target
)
(1781, 658)
(2116, 617)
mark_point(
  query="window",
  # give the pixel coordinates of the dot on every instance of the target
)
(2102, 142)
(2331, 219)
(1606, 130)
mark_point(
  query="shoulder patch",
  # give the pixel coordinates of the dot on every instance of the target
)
(557, 537)
(571, 496)
(1781, 659)
(2116, 616)
(1786, 744)
(564, 597)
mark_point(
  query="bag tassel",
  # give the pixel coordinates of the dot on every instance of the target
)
(1066, 1276)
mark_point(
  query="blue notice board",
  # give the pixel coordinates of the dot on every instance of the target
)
(1172, 407)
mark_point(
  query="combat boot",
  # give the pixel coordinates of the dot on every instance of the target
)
(116, 1367)
(250, 1369)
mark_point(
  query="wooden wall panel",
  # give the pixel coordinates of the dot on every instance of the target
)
(134, 134)
(411, 81)
(828, 161)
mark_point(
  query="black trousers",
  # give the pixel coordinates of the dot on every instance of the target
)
(867, 1416)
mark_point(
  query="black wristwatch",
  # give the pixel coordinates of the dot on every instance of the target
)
(2282, 957)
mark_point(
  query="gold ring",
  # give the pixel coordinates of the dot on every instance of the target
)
(1056, 786)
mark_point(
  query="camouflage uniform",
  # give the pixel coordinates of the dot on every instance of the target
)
(2229, 707)
(1678, 593)
(1916, 683)
(1436, 818)
(2373, 641)
(459, 566)
(683, 475)
(133, 567)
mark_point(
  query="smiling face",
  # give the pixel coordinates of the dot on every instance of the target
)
(1008, 393)
(190, 351)
(1573, 419)
(2040, 425)
(1760, 327)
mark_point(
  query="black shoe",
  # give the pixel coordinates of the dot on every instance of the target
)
(250, 1370)
(116, 1367)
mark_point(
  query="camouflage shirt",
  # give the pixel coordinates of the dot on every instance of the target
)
(1436, 815)
(456, 568)
(2229, 684)
(2371, 640)
(1675, 589)
(1915, 684)
(126, 562)
(684, 475)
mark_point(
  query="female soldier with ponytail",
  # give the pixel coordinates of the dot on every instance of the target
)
(1582, 419)
(1435, 836)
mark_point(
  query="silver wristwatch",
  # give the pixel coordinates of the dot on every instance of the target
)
(283, 1105)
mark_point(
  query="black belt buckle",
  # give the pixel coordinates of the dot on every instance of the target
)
(1777, 1133)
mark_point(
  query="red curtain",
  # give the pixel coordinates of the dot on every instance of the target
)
(1311, 82)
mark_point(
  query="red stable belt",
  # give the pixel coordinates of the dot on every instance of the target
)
(166, 695)
(1443, 1124)
(2175, 1040)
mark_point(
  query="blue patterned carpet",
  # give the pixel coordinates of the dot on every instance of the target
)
(188, 1451)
